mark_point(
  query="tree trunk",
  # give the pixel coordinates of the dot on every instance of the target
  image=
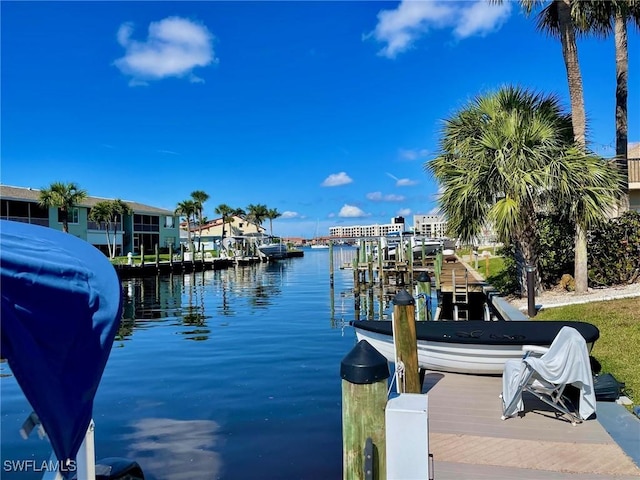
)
(581, 273)
(574, 77)
(107, 228)
(622, 67)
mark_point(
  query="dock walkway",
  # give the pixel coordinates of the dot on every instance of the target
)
(469, 440)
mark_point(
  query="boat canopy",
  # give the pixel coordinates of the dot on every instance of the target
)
(61, 308)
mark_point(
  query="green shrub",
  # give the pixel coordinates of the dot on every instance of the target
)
(614, 251)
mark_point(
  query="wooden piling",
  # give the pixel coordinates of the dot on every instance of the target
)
(331, 266)
(141, 255)
(157, 252)
(171, 256)
(364, 373)
(404, 336)
(424, 287)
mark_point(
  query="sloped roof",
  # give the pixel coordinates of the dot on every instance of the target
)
(33, 194)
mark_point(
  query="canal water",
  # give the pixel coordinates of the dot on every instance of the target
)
(231, 374)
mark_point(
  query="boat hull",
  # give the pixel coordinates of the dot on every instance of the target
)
(274, 250)
(474, 347)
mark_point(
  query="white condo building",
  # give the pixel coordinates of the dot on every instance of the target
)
(376, 230)
(432, 226)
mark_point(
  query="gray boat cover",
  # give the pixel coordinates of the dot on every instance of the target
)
(566, 362)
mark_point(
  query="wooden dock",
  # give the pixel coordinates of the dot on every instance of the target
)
(469, 440)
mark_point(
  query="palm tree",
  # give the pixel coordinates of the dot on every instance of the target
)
(101, 214)
(199, 197)
(225, 211)
(64, 196)
(187, 209)
(108, 212)
(557, 19)
(119, 209)
(272, 214)
(601, 19)
(508, 155)
(257, 214)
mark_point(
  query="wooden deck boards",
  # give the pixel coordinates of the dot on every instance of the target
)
(470, 441)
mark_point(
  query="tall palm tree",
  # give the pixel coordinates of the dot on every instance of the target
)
(187, 209)
(199, 197)
(506, 156)
(556, 19)
(64, 196)
(272, 214)
(601, 19)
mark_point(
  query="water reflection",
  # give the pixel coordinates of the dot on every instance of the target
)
(169, 449)
(191, 300)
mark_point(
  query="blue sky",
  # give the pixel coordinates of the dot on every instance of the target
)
(326, 111)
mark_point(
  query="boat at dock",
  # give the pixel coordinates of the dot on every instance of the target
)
(273, 250)
(473, 346)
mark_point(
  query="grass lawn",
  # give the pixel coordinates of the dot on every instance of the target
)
(618, 348)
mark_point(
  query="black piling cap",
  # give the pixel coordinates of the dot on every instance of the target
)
(403, 298)
(424, 277)
(364, 365)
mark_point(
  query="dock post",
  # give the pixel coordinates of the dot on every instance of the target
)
(380, 277)
(404, 337)
(331, 263)
(364, 373)
(141, 255)
(171, 256)
(157, 257)
(424, 287)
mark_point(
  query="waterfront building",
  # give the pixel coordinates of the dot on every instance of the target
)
(375, 230)
(145, 227)
(432, 226)
(211, 233)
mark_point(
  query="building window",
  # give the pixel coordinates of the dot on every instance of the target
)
(168, 222)
(73, 216)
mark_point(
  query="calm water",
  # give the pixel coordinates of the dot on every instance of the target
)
(230, 374)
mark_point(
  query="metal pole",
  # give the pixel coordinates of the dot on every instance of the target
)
(531, 291)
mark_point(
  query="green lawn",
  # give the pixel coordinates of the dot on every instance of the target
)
(618, 349)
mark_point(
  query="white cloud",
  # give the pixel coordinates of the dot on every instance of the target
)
(481, 18)
(351, 211)
(402, 182)
(413, 154)
(337, 179)
(379, 197)
(405, 182)
(173, 48)
(399, 29)
(289, 214)
(404, 212)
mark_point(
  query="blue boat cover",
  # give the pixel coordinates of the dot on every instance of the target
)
(61, 308)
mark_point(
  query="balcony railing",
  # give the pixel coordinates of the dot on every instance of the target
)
(44, 222)
(145, 227)
(634, 170)
(103, 226)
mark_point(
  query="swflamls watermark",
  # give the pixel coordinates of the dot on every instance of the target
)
(38, 466)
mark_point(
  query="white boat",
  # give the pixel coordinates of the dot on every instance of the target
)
(473, 346)
(320, 246)
(273, 250)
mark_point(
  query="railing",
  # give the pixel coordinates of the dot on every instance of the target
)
(103, 226)
(634, 170)
(44, 222)
(145, 227)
